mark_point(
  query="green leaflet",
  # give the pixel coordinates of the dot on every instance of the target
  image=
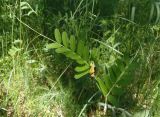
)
(62, 50)
(65, 39)
(81, 61)
(72, 43)
(73, 56)
(77, 76)
(58, 36)
(102, 86)
(53, 45)
(82, 68)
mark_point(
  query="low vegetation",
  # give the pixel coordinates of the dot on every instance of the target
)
(83, 58)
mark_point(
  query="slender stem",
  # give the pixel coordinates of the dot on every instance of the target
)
(34, 30)
(84, 107)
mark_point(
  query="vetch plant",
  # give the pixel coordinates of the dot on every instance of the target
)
(111, 81)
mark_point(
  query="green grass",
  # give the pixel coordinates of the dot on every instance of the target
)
(36, 82)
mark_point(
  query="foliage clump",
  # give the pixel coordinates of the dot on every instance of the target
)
(101, 60)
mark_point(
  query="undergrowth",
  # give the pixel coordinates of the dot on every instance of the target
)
(79, 58)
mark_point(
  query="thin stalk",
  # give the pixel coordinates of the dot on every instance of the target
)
(85, 106)
(34, 30)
